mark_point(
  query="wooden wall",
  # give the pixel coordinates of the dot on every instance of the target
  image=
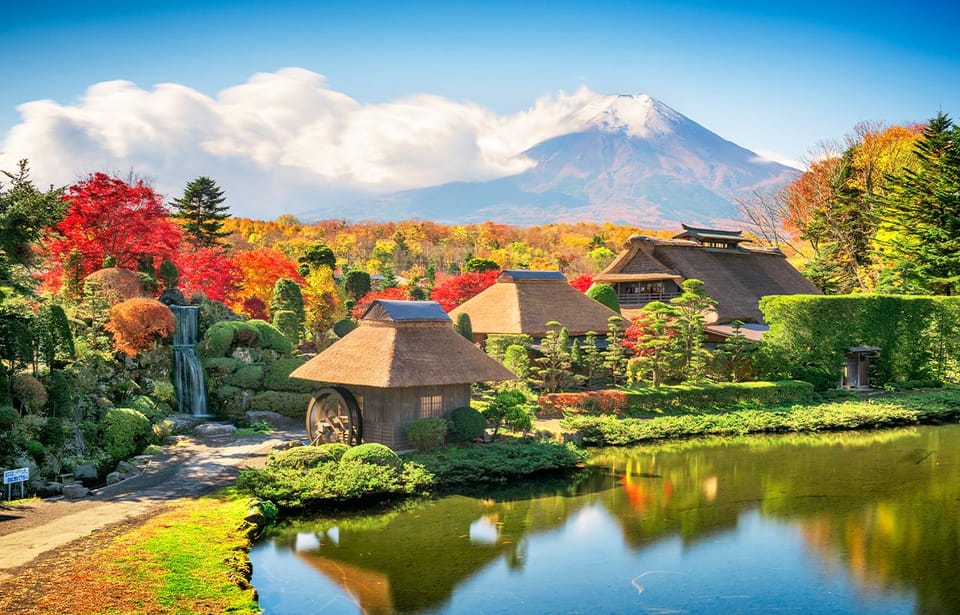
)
(387, 412)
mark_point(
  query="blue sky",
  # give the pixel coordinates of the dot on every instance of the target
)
(775, 79)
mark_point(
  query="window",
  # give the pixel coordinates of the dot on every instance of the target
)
(431, 405)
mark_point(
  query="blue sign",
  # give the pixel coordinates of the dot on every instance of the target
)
(19, 475)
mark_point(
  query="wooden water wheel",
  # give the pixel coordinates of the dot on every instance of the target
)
(334, 416)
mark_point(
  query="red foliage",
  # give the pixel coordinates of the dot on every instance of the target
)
(254, 308)
(108, 217)
(641, 331)
(582, 282)
(394, 293)
(208, 271)
(605, 402)
(136, 324)
(116, 284)
(453, 291)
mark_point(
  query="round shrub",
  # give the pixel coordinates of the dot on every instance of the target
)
(247, 377)
(29, 392)
(302, 457)
(467, 424)
(270, 337)
(605, 294)
(124, 432)
(115, 284)
(334, 449)
(35, 450)
(8, 417)
(427, 434)
(137, 324)
(372, 452)
(288, 323)
(342, 327)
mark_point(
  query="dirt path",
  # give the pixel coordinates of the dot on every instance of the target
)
(36, 535)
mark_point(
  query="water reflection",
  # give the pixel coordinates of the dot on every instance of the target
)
(853, 522)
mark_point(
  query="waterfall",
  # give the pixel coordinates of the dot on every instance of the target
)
(187, 369)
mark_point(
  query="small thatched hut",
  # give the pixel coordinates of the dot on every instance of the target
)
(525, 301)
(652, 269)
(403, 362)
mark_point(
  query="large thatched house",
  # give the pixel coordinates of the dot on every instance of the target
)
(403, 362)
(652, 269)
(525, 301)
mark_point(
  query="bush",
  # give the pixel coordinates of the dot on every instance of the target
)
(224, 335)
(466, 424)
(289, 324)
(518, 418)
(427, 434)
(146, 406)
(517, 360)
(51, 434)
(59, 393)
(342, 327)
(503, 405)
(293, 405)
(303, 457)
(29, 393)
(372, 452)
(222, 365)
(270, 337)
(334, 449)
(8, 417)
(115, 284)
(35, 450)
(247, 377)
(124, 432)
(496, 344)
(497, 462)
(137, 324)
(276, 376)
(606, 295)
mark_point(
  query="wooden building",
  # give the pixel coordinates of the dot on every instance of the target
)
(736, 276)
(523, 302)
(404, 362)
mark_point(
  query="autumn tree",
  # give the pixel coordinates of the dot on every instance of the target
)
(137, 324)
(201, 212)
(458, 289)
(922, 209)
(108, 218)
(207, 271)
(322, 304)
(259, 271)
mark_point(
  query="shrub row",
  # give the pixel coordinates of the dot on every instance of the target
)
(680, 397)
(904, 410)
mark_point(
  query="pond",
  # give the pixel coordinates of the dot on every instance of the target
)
(859, 522)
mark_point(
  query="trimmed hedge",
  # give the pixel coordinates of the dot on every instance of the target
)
(124, 432)
(668, 399)
(372, 452)
(427, 434)
(303, 457)
(276, 376)
(497, 462)
(247, 377)
(466, 424)
(293, 405)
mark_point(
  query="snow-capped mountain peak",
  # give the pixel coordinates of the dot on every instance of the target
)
(636, 115)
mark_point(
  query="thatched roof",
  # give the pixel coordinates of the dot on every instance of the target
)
(402, 344)
(736, 277)
(524, 301)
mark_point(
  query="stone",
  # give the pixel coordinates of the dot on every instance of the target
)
(75, 491)
(287, 444)
(274, 419)
(184, 422)
(45, 489)
(214, 430)
(114, 478)
(85, 471)
(125, 467)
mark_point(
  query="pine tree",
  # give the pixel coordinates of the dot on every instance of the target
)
(200, 212)
(689, 309)
(615, 354)
(922, 209)
(551, 371)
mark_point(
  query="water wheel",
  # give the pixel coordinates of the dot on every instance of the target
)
(334, 416)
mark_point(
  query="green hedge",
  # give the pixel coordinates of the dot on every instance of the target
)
(496, 462)
(124, 432)
(293, 405)
(919, 337)
(276, 376)
(720, 395)
(247, 377)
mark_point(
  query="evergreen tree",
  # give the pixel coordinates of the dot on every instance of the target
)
(552, 371)
(201, 212)
(922, 210)
(316, 256)
(592, 362)
(25, 215)
(356, 283)
(615, 354)
(389, 276)
(287, 296)
(689, 309)
(463, 326)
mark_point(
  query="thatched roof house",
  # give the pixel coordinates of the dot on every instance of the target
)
(402, 363)
(524, 301)
(652, 269)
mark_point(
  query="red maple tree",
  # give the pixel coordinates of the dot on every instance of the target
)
(108, 217)
(582, 282)
(456, 290)
(209, 271)
(393, 293)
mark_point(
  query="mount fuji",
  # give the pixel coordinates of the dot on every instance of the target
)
(630, 159)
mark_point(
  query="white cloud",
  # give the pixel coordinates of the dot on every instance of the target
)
(280, 141)
(768, 156)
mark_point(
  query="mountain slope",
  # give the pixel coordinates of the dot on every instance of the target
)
(634, 160)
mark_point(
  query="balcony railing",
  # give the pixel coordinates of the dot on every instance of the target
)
(634, 299)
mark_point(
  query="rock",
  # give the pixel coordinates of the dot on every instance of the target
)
(75, 491)
(287, 444)
(184, 422)
(46, 489)
(125, 467)
(275, 419)
(85, 471)
(214, 430)
(114, 478)
(246, 354)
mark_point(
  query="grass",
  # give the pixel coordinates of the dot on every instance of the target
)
(191, 558)
(892, 410)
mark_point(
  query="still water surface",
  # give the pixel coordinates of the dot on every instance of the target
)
(863, 522)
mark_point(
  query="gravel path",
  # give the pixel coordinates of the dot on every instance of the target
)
(37, 530)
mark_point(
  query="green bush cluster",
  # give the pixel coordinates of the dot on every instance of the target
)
(374, 453)
(271, 337)
(696, 397)
(224, 335)
(497, 462)
(247, 377)
(427, 434)
(292, 405)
(304, 457)
(906, 409)
(466, 424)
(8, 417)
(124, 432)
(918, 337)
(276, 376)
(496, 344)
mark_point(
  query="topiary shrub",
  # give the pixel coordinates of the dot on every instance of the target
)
(288, 323)
(427, 434)
(247, 377)
(29, 393)
(605, 294)
(334, 449)
(276, 376)
(342, 327)
(124, 432)
(35, 450)
(115, 284)
(302, 457)
(288, 404)
(222, 365)
(8, 417)
(60, 393)
(466, 424)
(271, 337)
(372, 452)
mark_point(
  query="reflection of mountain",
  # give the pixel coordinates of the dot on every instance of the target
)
(881, 507)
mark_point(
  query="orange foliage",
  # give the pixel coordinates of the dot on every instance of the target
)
(137, 324)
(259, 271)
(116, 284)
(605, 402)
(393, 293)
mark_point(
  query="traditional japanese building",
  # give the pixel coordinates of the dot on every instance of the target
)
(403, 362)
